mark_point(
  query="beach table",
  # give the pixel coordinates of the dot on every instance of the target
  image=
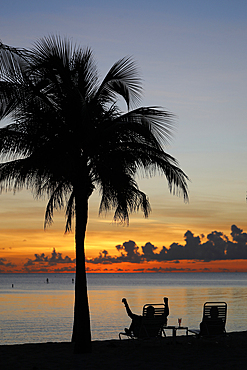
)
(174, 331)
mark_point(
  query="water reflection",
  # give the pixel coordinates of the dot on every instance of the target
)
(32, 318)
(43, 315)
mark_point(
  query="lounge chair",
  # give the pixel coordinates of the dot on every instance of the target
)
(213, 321)
(151, 325)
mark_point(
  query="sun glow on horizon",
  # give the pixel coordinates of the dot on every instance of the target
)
(187, 266)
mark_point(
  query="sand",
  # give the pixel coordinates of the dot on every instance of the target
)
(188, 353)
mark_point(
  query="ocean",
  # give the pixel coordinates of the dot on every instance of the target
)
(32, 310)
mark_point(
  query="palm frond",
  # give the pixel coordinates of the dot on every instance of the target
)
(151, 121)
(123, 195)
(13, 81)
(70, 212)
(85, 73)
(13, 62)
(56, 201)
(122, 80)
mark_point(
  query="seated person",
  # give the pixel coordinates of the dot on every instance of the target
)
(213, 324)
(137, 319)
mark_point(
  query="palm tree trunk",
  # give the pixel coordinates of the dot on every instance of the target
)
(81, 329)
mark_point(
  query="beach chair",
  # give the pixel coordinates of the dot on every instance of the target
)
(152, 326)
(213, 321)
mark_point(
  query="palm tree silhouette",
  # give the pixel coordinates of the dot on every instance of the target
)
(68, 137)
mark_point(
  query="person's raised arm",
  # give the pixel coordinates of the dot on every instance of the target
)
(128, 310)
(166, 306)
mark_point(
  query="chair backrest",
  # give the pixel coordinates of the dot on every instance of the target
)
(153, 320)
(158, 310)
(215, 308)
(214, 317)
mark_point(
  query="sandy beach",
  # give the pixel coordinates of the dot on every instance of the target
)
(188, 353)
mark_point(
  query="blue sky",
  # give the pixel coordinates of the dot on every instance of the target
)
(192, 57)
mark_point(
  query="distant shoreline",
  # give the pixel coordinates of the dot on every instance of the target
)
(188, 353)
(123, 272)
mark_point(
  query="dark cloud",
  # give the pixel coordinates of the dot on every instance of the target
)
(3, 262)
(129, 253)
(53, 260)
(37, 269)
(65, 269)
(148, 251)
(169, 269)
(216, 246)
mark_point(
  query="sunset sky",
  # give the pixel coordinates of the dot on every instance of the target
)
(192, 58)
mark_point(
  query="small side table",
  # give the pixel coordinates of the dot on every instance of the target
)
(174, 331)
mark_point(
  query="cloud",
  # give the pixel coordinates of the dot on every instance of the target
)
(216, 247)
(170, 269)
(53, 260)
(129, 253)
(65, 269)
(6, 264)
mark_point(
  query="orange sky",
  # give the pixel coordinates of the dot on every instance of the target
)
(22, 239)
(22, 234)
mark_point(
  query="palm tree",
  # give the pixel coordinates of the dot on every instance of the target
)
(68, 137)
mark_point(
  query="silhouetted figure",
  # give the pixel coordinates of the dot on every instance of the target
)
(72, 281)
(213, 324)
(137, 319)
(47, 281)
(12, 285)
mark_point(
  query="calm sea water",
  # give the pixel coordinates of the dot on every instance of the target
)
(33, 311)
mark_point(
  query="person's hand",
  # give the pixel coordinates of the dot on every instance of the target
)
(124, 300)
